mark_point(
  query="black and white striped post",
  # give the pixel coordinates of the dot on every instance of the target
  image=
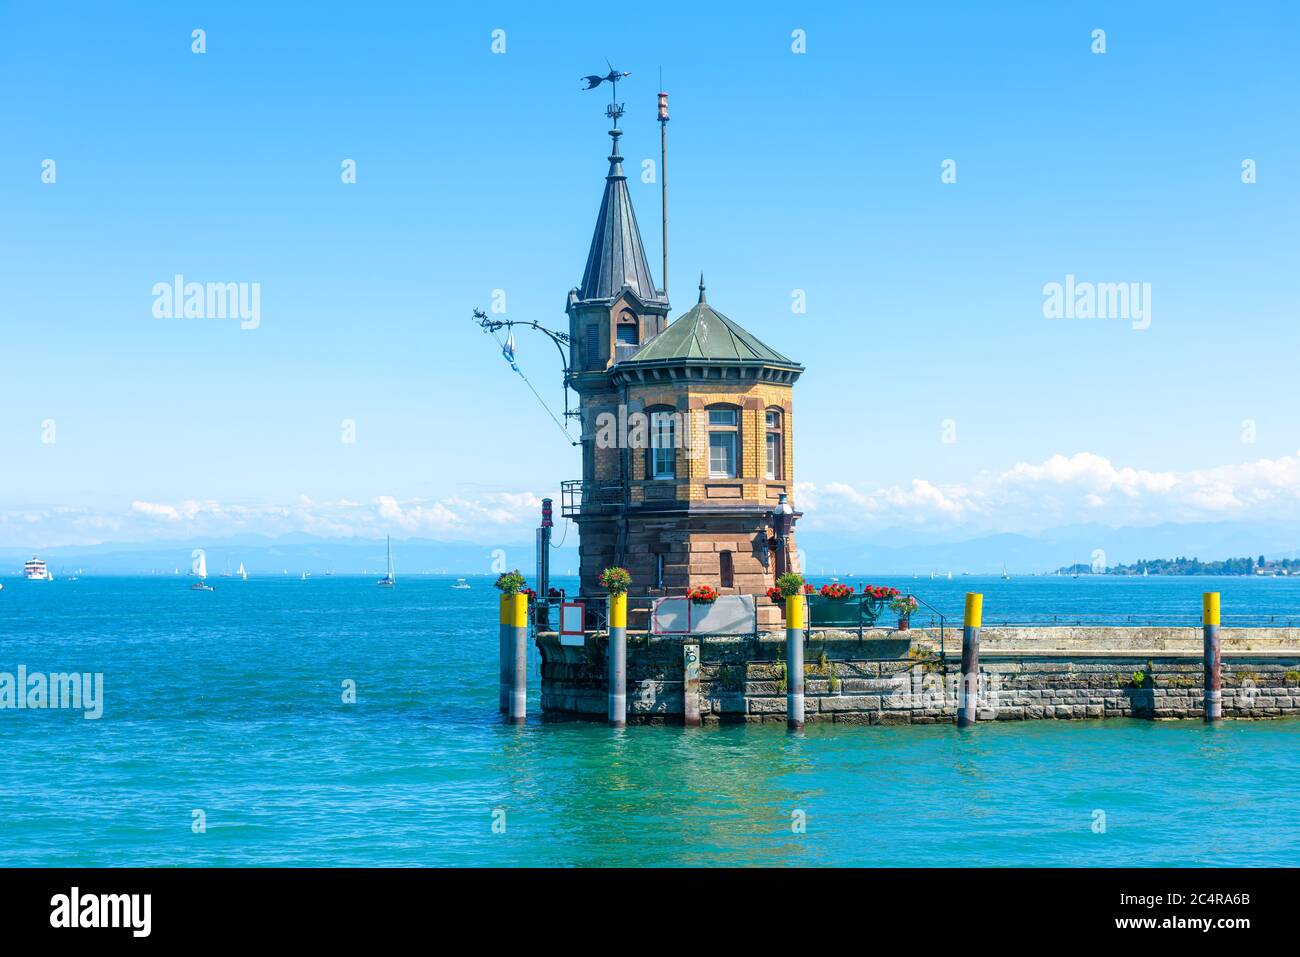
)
(968, 689)
(794, 635)
(618, 660)
(1213, 658)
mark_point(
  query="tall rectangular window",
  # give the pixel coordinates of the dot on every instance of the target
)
(722, 455)
(593, 346)
(663, 452)
(726, 570)
(773, 448)
(659, 571)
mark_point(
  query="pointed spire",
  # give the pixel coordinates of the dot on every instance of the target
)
(702, 299)
(617, 258)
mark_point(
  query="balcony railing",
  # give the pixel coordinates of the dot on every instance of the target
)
(575, 494)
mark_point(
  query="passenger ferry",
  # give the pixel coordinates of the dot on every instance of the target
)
(36, 571)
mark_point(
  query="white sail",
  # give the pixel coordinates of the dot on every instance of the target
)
(388, 580)
(202, 568)
(242, 574)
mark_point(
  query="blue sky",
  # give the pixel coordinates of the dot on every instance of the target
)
(479, 171)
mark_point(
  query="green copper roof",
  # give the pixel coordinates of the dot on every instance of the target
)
(704, 333)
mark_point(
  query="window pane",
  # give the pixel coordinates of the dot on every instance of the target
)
(663, 463)
(722, 455)
(627, 334)
(774, 420)
(773, 455)
(722, 416)
(663, 452)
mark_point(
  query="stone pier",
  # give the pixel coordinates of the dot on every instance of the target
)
(904, 677)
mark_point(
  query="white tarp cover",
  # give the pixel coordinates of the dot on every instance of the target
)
(729, 615)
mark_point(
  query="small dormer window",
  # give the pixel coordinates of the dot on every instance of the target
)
(628, 334)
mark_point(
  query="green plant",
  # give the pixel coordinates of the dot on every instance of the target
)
(790, 584)
(781, 684)
(511, 583)
(833, 680)
(822, 661)
(1139, 679)
(1292, 676)
(929, 661)
(903, 605)
(615, 580)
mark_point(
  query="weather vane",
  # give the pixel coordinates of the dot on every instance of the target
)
(615, 109)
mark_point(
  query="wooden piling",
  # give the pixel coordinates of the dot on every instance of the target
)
(794, 637)
(617, 660)
(1213, 658)
(968, 688)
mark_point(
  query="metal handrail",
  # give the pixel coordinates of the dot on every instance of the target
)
(943, 622)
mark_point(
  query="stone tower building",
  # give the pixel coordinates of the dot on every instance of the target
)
(687, 429)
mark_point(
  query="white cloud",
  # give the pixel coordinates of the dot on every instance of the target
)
(1063, 489)
(489, 515)
(1060, 490)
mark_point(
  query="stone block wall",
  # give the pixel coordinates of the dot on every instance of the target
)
(897, 678)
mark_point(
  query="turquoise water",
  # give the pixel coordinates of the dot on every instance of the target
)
(229, 702)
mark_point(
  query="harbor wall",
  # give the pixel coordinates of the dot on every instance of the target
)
(910, 677)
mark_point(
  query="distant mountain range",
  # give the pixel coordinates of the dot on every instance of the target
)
(915, 552)
(901, 550)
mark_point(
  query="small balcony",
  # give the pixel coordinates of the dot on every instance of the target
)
(575, 495)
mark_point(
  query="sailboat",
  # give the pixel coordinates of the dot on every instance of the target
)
(389, 580)
(1005, 576)
(242, 574)
(226, 573)
(202, 572)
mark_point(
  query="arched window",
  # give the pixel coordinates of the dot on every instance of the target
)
(775, 445)
(724, 440)
(661, 457)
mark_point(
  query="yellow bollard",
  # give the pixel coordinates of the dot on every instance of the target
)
(968, 689)
(617, 658)
(1213, 703)
(794, 637)
(504, 653)
(517, 615)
